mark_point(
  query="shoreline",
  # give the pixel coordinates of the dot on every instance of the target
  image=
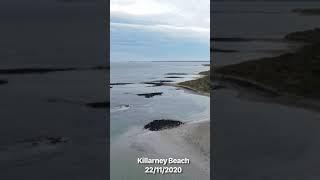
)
(200, 85)
(286, 78)
(190, 89)
(258, 92)
(255, 92)
(185, 136)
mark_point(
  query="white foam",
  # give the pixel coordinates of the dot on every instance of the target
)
(122, 107)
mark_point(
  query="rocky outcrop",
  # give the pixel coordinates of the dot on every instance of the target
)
(119, 84)
(158, 125)
(173, 77)
(51, 140)
(150, 95)
(3, 82)
(176, 74)
(158, 82)
(33, 70)
(98, 105)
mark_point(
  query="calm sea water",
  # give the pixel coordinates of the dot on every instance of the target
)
(128, 109)
(259, 20)
(129, 112)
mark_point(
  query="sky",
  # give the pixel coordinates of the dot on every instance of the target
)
(143, 30)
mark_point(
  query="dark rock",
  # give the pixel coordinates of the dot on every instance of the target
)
(56, 140)
(44, 140)
(100, 67)
(158, 125)
(150, 95)
(176, 74)
(3, 82)
(47, 70)
(119, 84)
(173, 77)
(34, 70)
(223, 50)
(158, 82)
(98, 105)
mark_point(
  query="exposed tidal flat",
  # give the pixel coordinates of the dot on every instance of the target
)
(150, 117)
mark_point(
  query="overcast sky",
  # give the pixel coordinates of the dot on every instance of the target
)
(160, 29)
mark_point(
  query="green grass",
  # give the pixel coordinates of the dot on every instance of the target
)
(294, 73)
(202, 84)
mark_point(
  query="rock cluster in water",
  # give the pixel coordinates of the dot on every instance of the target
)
(158, 82)
(44, 70)
(119, 84)
(3, 81)
(173, 77)
(45, 140)
(150, 95)
(158, 125)
(98, 105)
(176, 74)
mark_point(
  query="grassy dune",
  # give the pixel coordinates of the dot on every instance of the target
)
(201, 85)
(295, 73)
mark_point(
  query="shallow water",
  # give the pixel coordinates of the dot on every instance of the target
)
(130, 112)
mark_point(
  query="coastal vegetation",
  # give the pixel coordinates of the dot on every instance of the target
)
(201, 85)
(296, 74)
